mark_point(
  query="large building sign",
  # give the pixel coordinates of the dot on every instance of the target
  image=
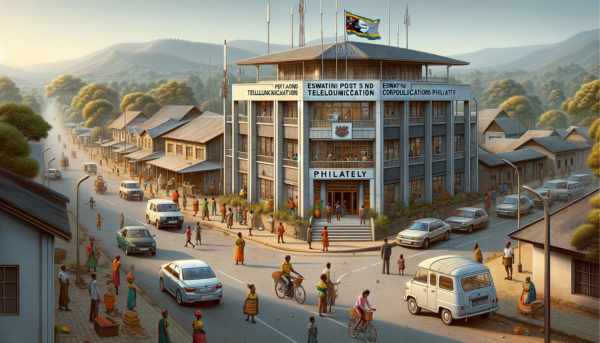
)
(340, 174)
(341, 130)
(397, 90)
(348, 90)
(282, 91)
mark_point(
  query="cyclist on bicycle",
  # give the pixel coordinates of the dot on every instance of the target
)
(92, 203)
(359, 307)
(286, 268)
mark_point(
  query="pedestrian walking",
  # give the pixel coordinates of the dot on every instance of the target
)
(198, 232)
(312, 330)
(562, 172)
(338, 211)
(477, 257)
(322, 288)
(541, 176)
(292, 206)
(117, 171)
(205, 210)
(487, 203)
(63, 298)
(116, 273)
(325, 239)
(163, 324)
(145, 185)
(240, 214)
(240, 243)
(244, 217)
(328, 212)
(309, 235)
(508, 260)
(223, 213)
(199, 335)
(188, 238)
(175, 197)
(251, 303)
(494, 196)
(401, 265)
(132, 295)
(121, 221)
(184, 203)
(93, 255)
(94, 297)
(386, 253)
(98, 223)
(362, 215)
(271, 223)
(195, 205)
(250, 222)
(213, 204)
(344, 210)
(280, 231)
(229, 217)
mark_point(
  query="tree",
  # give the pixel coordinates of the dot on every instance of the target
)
(96, 110)
(114, 85)
(536, 104)
(197, 86)
(65, 87)
(528, 86)
(576, 81)
(519, 107)
(173, 93)
(555, 100)
(95, 91)
(585, 106)
(9, 91)
(139, 102)
(32, 102)
(552, 120)
(32, 125)
(499, 92)
(547, 87)
(95, 134)
(15, 151)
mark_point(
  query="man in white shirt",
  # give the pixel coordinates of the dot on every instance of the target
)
(63, 280)
(508, 260)
(94, 296)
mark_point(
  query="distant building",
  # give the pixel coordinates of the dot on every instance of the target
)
(493, 171)
(122, 131)
(495, 123)
(31, 217)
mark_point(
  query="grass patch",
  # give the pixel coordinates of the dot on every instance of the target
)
(494, 256)
(103, 265)
(226, 233)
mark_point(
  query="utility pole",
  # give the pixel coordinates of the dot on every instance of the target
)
(301, 12)
(268, 24)
(209, 93)
(407, 23)
(292, 12)
(322, 61)
(389, 27)
(336, 46)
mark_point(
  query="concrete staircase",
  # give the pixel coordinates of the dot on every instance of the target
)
(346, 230)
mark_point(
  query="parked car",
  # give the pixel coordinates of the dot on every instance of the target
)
(422, 232)
(468, 218)
(130, 189)
(90, 168)
(548, 191)
(163, 213)
(583, 178)
(508, 206)
(574, 190)
(455, 286)
(135, 239)
(190, 281)
(53, 174)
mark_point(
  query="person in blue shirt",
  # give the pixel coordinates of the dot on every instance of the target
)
(494, 196)
(296, 157)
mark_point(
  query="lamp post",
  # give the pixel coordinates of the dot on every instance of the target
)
(519, 266)
(43, 163)
(48, 169)
(546, 264)
(530, 124)
(78, 281)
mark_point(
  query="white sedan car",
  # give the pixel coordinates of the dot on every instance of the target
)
(190, 281)
(508, 206)
(422, 232)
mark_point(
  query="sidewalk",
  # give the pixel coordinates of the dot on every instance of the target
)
(563, 319)
(77, 320)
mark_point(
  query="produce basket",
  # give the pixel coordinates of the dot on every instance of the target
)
(298, 280)
(59, 255)
(277, 276)
(368, 315)
(106, 330)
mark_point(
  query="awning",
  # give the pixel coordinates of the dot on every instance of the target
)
(111, 143)
(130, 148)
(102, 142)
(86, 134)
(144, 155)
(181, 165)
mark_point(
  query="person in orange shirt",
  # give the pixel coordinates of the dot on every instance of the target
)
(325, 239)
(292, 206)
(116, 273)
(176, 198)
(280, 231)
(188, 234)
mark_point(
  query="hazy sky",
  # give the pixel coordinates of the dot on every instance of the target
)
(38, 31)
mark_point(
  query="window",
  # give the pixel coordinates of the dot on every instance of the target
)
(292, 109)
(291, 192)
(438, 144)
(438, 186)
(421, 276)
(310, 73)
(266, 146)
(391, 149)
(179, 149)
(417, 109)
(415, 190)
(475, 282)
(388, 110)
(389, 73)
(244, 178)
(189, 152)
(446, 283)
(330, 73)
(198, 273)
(458, 181)
(266, 108)
(415, 146)
(266, 189)
(458, 143)
(432, 279)
(340, 150)
(200, 153)
(290, 148)
(411, 73)
(9, 290)
(169, 147)
(243, 143)
(439, 109)
(586, 278)
(389, 193)
(344, 110)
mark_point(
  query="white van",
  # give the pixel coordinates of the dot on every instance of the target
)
(455, 286)
(163, 213)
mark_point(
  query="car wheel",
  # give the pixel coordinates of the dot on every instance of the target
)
(447, 317)
(157, 224)
(426, 244)
(470, 229)
(216, 301)
(127, 250)
(178, 298)
(413, 308)
(447, 235)
(485, 315)
(161, 285)
(569, 198)
(530, 210)
(153, 253)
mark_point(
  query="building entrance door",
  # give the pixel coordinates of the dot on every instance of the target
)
(350, 197)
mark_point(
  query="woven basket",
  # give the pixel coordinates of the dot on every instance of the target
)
(368, 315)
(298, 281)
(276, 275)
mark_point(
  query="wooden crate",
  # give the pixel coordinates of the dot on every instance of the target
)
(59, 255)
(106, 330)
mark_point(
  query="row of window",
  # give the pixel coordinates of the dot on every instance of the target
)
(415, 188)
(416, 109)
(189, 151)
(343, 110)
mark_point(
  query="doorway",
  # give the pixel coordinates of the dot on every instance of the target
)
(350, 197)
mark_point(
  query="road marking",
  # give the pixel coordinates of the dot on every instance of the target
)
(110, 202)
(439, 246)
(374, 264)
(359, 269)
(338, 280)
(230, 277)
(417, 254)
(71, 187)
(500, 223)
(129, 217)
(458, 246)
(142, 223)
(333, 320)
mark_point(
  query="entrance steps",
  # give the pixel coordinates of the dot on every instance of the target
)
(346, 230)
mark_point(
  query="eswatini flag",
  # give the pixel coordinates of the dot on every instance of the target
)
(362, 26)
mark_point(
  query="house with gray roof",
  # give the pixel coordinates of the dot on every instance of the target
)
(495, 123)
(493, 171)
(122, 133)
(561, 153)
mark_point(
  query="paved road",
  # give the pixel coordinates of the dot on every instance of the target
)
(283, 320)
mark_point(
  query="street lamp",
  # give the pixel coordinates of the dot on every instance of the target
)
(546, 264)
(48, 169)
(78, 281)
(519, 266)
(530, 124)
(43, 163)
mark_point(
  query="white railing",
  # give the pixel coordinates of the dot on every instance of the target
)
(242, 118)
(290, 121)
(229, 152)
(343, 164)
(459, 119)
(416, 120)
(290, 163)
(391, 163)
(439, 157)
(391, 121)
(416, 159)
(265, 159)
(438, 119)
(228, 118)
(242, 154)
(356, 124)
(459, 154)
(265, 120)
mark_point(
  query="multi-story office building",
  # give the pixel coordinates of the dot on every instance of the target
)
(378, 130)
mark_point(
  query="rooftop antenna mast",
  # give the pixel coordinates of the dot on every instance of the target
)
(407, 23)
(301, 11)
(268, 22)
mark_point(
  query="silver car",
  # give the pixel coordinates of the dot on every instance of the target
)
(53, 174)
(190, 281)
(508, 206)
(468, 218)
(421, 232)
(583, 178)
(574, 190)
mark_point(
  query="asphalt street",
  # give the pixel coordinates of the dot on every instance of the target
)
(281, 320)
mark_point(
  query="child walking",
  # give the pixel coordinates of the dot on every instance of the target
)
(401, 265)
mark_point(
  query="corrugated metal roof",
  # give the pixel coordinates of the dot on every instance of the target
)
(202, 129)
(581, 145)
(152, 156)
(583, 131)
(130, 148)
(111, 143)
(168, 112)
(563, 221)
(484, 123)
(452, 265)
(166, 127)
(491, 113)
(511, 126)
(85, 134)
(120, 123)
(40, 206)
(181, 165)
(555, 144)
(103, 141)
(355, 50)
(562, 133)
(498, 145)
(515, 156)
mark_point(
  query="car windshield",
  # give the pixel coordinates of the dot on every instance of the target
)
(132, 185)
(464, 214)
(573, 178)
(199, 273)
(561, 186)
(419, 226)
(549, 185)
(475, 282)
(138, 233)
(167, 208)
(510, 201)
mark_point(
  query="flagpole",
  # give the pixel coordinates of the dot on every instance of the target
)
(346, 43)
(268, 21)
(322, 61)
(336, 46)
(397, 38)
(292, 11)
(389, 27)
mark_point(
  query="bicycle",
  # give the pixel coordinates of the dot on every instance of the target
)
(367, 329)
(296, 291)
(92, 204)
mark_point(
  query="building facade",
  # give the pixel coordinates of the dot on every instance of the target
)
(383, 132)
